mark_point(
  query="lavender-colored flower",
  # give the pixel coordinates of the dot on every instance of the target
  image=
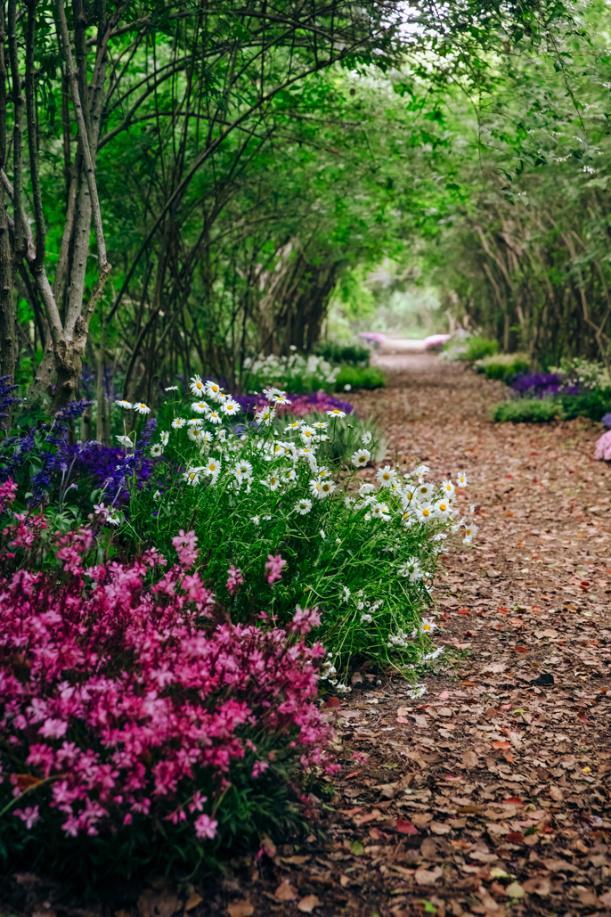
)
(606, 421)
(543, 385)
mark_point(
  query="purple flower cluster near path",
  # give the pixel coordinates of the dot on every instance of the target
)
(311, 403)
(543, 385)
(60, 463)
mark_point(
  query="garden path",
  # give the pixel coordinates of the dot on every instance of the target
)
(486, 795)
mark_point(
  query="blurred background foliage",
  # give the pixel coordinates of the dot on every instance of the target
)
(272, 173)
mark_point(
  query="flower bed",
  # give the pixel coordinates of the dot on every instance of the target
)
(137, 726)
(273, 488)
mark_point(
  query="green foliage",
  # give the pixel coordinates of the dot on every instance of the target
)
(352, 378)
(524, 254)
(475, 348)
(527, 410)
(593, 404)
(503, 366)
(355, 354)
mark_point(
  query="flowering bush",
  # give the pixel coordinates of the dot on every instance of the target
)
(300, 405)
(602, 451)
(542, 385)
(131, 720)
(273, 487)
(51, 468)
(295, 372)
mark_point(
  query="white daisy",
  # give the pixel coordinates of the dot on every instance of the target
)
(178, 423)
(230, 407)
(411, 569)
(470, 531)
(428, 626)
(265, 416)
(125, 405)
(171, 388)
(193, 475)
(212, 468)
(272, 481)
(336, 413)
(213, 390)
(366, 437)
(366, 489)
(156, 450)
(425, 512)
(200, 407)
(125, 441)
(379, 511)
(424, 491)
(214, 417)
(461, 479)
(141, 408)
(385, 476)
(196, 386)
(443, 509)
(448, 488)
(360, 458)
(307, 433)
(165, 438)
(303, 506)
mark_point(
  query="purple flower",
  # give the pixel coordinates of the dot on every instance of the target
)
(606, 421)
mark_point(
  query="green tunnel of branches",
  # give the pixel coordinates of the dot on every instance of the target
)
(185, 184)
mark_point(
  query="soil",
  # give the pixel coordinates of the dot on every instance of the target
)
(488, 793)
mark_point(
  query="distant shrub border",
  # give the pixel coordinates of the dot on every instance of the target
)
(503, 367)
(526, 410)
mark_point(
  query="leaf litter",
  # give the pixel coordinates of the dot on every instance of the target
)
(485, 790)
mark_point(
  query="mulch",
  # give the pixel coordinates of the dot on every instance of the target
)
(488, 793)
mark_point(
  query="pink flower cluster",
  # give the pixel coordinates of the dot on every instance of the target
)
(121, 699)
(274, 565)
(602, 451)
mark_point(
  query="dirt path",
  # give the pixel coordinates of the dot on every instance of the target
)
(487, 794)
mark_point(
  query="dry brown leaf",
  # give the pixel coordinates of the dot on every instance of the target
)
(308, 904)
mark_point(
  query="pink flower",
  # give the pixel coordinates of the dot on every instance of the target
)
(8, 492)
(258, 768)
(602, 451)
(235, 579)
(274, 566)
(205, 827)
(304, 620)
(28, 816)
(185, 544)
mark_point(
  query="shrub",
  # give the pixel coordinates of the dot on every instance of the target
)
(354, 354)
(255, 490)
(472, 348)
(352, 378)
(294, 372)
(589, 374)
(527, 410)
(503, 366)
(602, 451)
(137, 728)
(539, 385)
(593, 404)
